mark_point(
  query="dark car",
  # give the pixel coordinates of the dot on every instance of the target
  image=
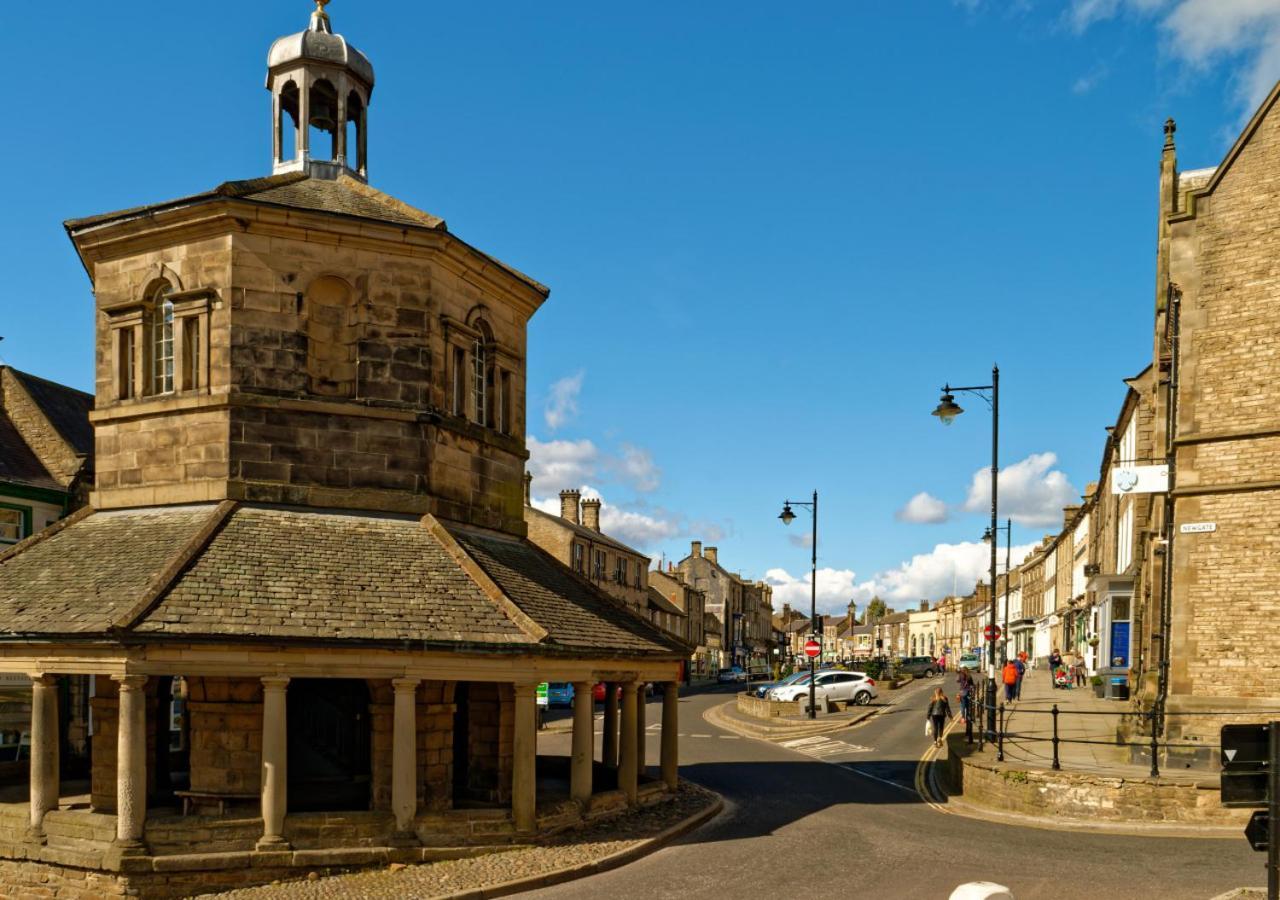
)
(919, 666)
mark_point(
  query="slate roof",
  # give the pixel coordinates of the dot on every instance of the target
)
(258, 572)
(66, 409)
(659, 601)
(344, 196)
(18, 462)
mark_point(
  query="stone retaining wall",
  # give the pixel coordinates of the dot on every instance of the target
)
(767, 709)
(1082, 796)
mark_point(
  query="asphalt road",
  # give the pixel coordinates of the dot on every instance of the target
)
(840, 818)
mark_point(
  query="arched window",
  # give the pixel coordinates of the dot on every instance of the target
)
(355, 135)
(287, 125)
(480, 379)
(161, 315)
(324, 120)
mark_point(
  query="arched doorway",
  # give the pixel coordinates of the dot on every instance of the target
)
(329, 744)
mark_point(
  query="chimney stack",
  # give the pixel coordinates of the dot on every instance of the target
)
(713, 554)
(591, 513)
(528, 489)
(924, 606)
(569, 506)
(696, 549)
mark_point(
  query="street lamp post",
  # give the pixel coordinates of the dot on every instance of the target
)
(787, 517)
(1007, 528)
(946, 412)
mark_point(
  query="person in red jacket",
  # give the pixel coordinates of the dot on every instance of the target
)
(1010, 678)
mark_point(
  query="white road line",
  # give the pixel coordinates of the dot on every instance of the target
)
(848, 767)
(730, 737)
(700, 735)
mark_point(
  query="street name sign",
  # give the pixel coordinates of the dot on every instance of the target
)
(1198, 527)
(1258, 831)
(812, 649)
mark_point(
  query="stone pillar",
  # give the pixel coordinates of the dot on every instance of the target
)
(44, 750)
(627, 770)
(641, 724)
(131, 762)
(404, 754)
(583, 751)
(671, 734)
(609, 749)
(524, 773)
(275, 762)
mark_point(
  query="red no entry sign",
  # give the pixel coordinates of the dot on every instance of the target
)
(992, 632)
(812, 649)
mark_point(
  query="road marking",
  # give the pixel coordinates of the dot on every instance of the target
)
(730, 737)
(700, 735)
(821, 747)
(849, 767)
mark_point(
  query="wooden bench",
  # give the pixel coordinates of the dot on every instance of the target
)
(220, 797)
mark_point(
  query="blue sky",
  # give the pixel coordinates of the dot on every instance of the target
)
(771, 232)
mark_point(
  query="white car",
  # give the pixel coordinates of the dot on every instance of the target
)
(847, 687)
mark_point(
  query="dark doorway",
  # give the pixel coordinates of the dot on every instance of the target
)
(328, 727)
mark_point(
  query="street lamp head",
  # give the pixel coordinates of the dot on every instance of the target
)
(947, 409)
(787, 516)
(986, 536)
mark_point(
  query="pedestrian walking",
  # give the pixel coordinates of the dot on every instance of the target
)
(1021, 663)
(1077, 670)
(1055, 663)
(939, 713)
(965, 699)
(1009, 675)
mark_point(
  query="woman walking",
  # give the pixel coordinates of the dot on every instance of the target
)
(939, 712)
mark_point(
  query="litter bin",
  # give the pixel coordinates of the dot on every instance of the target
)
(1115, 684)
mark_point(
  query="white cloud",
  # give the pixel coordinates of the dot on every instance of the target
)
(635, 466)
(1091, 79)
(836, 587)
(923, 508)
(803, 541)
(556, 465)
(635, 525)
(562, 400)
(1032, 492)
(1204, 32)
(933, 575)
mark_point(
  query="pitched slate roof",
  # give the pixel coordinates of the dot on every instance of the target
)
(257, 572)
(659, 601)
(582, 531)
(18, 462)
(66, 409)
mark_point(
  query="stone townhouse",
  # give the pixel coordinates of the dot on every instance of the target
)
(757, 599)
(892, 634)
(574, 537)
(726, 595)
(950, 628)
(306, 523)
(691, 606)
(862, 642)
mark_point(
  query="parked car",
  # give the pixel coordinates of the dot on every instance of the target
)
(597, 692)
(970, 661)
(759, 673)
(763, 690)
(918, 666)
(847, 687)
(559, 693)
(732, 675)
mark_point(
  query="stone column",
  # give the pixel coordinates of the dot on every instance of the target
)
(44, 750)
(404, 754)
(131, 762)
(671, 734)
(583, 751)
(609, 749)
(627, 770)
(524, 775)
(275, 762)
(641, 724)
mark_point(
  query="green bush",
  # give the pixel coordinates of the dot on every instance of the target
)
(1096, 680)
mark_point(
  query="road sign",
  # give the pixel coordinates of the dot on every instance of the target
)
(1245, 748)
(992, 632)
(1258, 831)
(812, 648)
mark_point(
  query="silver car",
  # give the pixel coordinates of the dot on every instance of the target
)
(846, 687)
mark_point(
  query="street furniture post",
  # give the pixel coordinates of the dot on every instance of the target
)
(1056, 764)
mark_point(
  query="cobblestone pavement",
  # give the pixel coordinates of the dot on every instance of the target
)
(443, 878)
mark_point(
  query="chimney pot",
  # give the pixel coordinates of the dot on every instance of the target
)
(528, 489)
(591, 514)
(696, 549)
(569, 501)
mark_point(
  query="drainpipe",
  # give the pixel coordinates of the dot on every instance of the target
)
(1171, 459)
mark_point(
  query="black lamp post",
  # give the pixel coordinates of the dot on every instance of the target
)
(787, 517)
(946, 412)
(1007, 528)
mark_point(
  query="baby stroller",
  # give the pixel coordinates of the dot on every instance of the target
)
(1062, 678)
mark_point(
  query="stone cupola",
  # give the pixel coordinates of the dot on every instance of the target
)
(320, 88)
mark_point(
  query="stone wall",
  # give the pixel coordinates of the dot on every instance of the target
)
(225, 733)
(1080, 796)
(102, 775)
(435, 709)
(491, 740)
